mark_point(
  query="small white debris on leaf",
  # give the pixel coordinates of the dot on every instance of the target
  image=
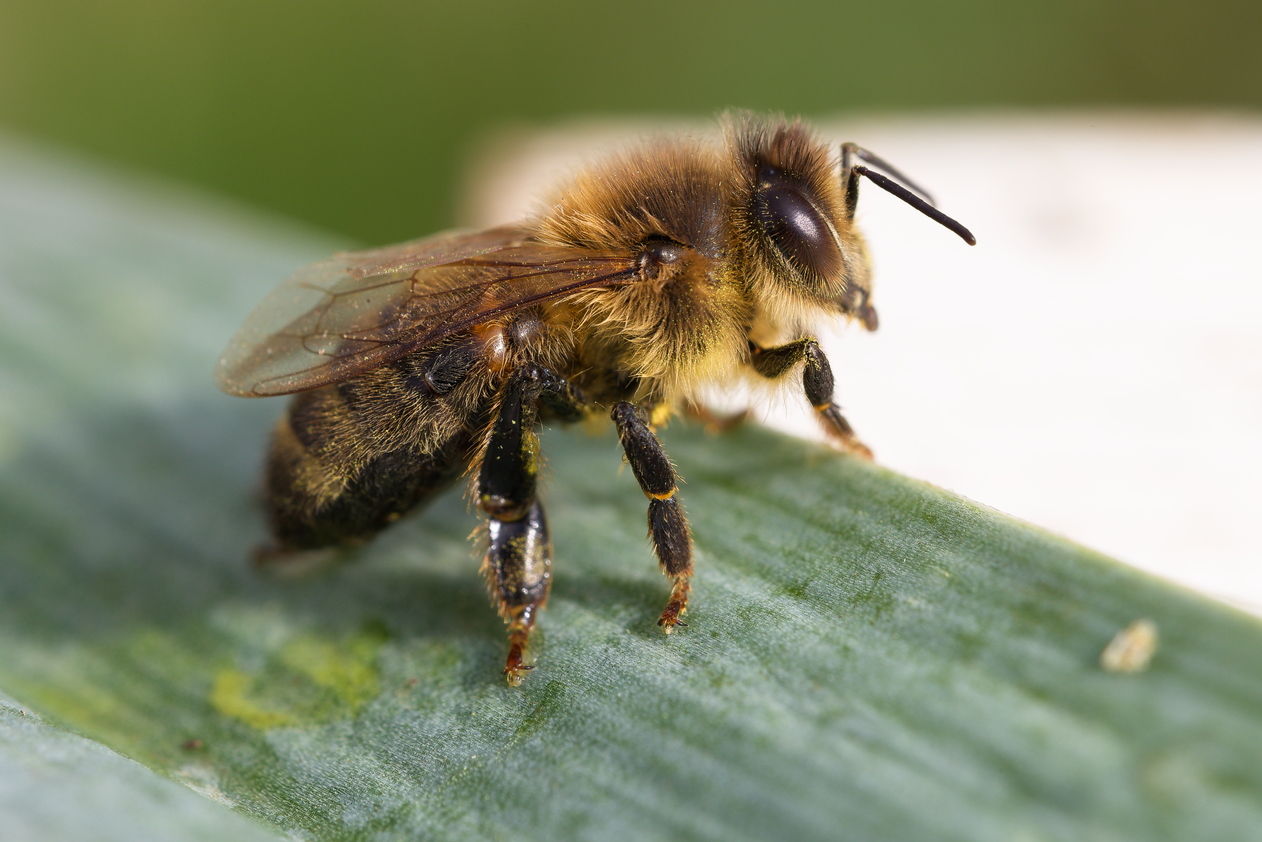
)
(1131, 649)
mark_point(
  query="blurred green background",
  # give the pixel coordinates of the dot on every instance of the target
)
(358, 117)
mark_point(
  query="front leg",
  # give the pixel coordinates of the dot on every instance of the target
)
(518, 562)
(668, 527)
(817, 382)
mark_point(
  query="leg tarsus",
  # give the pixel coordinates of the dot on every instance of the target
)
(518, 640)
(840, 431)
(677, 604)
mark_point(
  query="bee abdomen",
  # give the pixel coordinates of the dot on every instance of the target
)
(350, 458)
(306, 514)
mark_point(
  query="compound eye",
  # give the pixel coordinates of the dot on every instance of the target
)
(794, 224)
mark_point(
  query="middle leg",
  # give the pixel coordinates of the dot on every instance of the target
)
(668, 528)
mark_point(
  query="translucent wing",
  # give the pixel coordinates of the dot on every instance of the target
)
(359, 310)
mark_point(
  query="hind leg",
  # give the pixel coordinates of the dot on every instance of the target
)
(518, 561)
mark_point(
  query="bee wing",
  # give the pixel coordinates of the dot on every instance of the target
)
(358, 310)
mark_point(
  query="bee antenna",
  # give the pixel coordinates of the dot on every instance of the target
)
(924, 205)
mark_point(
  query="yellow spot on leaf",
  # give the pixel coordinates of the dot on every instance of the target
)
(308, 678)
(233, 695)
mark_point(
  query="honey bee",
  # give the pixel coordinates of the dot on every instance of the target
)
(676, 264)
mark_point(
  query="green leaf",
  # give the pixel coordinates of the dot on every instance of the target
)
(867, 657)
(56, 785)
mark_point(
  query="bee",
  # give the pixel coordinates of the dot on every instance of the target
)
(673, 265)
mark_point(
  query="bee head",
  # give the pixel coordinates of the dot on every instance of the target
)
(797, 227)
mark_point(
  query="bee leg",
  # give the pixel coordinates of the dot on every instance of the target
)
(518, 562)
(817, 382)
(518, 567)
(668, 528)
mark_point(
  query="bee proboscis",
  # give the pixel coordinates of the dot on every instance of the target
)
(674, 265)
